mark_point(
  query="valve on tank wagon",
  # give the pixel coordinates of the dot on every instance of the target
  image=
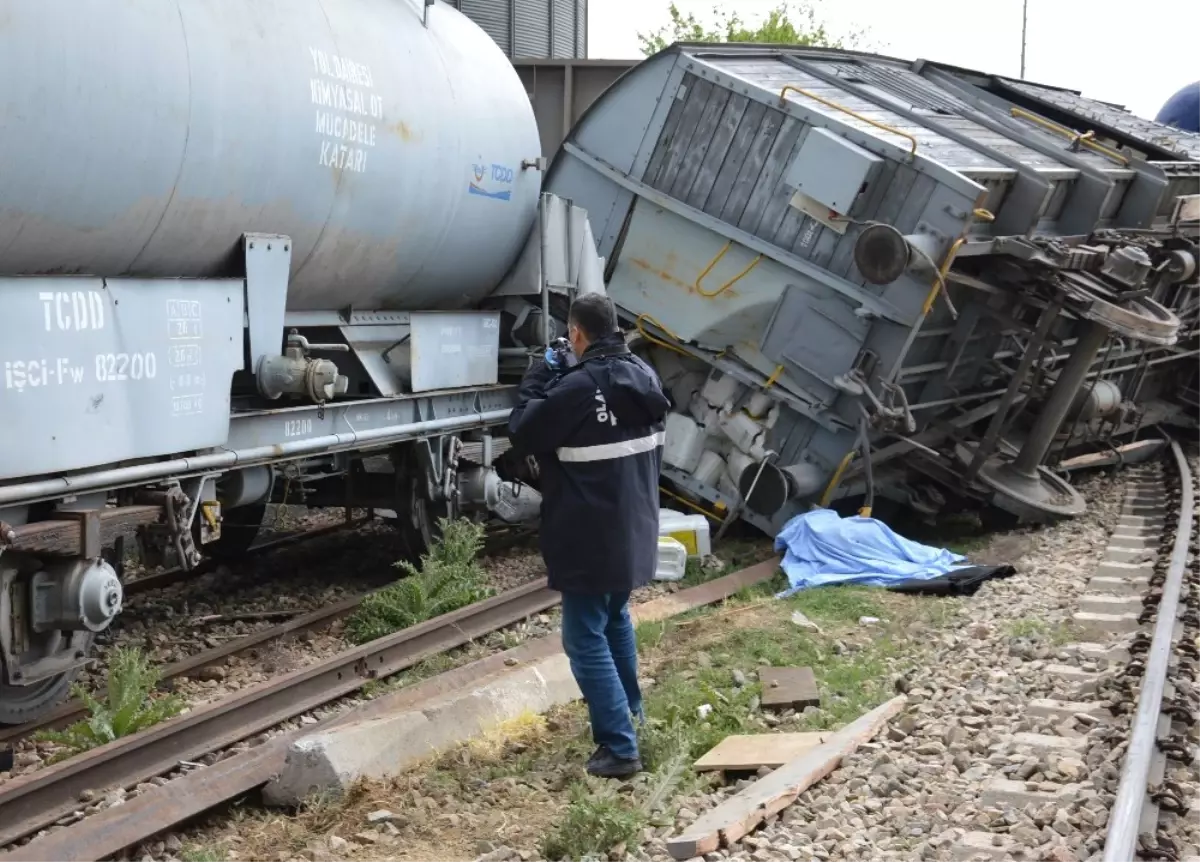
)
(296, 373)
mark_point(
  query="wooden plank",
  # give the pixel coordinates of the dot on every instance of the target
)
(685, 132)
(773, 126)
(748, 753)
(704, 594)
(1131, 453)
(65, 537)
(667, 135)
(788, 687)
(738, 815)
(702, 138)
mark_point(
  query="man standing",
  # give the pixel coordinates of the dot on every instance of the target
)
(596, 429)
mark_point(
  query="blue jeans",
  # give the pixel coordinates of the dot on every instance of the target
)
(598, 639)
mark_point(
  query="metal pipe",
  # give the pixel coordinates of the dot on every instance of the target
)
(1061, 397)
(230, 458)
(542, 222)
(1131, 792)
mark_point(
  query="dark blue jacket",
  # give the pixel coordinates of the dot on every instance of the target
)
(1183, 109)
(596, 430)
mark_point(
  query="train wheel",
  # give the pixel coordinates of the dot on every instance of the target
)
(416, 515)
(22, 703)
(239, 529)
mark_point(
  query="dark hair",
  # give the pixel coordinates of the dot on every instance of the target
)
(595, 315)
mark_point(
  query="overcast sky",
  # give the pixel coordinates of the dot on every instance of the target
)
(1131, 56)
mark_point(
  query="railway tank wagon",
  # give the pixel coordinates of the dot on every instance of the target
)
(864, 278)
(248, 245)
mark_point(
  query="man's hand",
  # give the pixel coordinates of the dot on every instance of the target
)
(558, 354)
(537, 377)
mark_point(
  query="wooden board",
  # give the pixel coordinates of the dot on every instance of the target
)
(788, 687)
(740, 814)
(749, 753)
(1130, 453)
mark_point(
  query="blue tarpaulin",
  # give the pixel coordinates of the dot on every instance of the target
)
(820, 548)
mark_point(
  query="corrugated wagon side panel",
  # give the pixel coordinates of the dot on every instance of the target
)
(748, 127)
(688, 104)
(698, 146)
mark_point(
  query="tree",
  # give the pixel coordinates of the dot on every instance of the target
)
(782, 26)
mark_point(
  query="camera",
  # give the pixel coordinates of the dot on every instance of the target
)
(558, 354)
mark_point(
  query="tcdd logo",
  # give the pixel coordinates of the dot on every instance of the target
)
(496, 175)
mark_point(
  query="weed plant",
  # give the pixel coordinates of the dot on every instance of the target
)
(450, 577)
(127, 707)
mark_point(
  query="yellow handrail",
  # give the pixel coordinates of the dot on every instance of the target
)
(718, 518)
(727, 284)
(943, 271)
(984, 215)
(789, 88)
(1076, 138)
(653, 340)
(637, 323)
(836, 478)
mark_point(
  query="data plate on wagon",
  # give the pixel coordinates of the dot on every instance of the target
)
(97, 371)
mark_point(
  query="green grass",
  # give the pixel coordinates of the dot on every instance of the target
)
(839, 604)
(967, 545)
(201, 854)
(675, 734)
(693, 657)
(1052, 634)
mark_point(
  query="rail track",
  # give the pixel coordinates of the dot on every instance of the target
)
(51, 797)
(74, 710)
(1129, 687)
(177, 574)
(33, 802)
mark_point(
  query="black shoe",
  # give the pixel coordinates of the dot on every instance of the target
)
(604, 764)
(597, 755)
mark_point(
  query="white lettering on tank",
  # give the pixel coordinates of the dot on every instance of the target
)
(349, 110)
(72, 311)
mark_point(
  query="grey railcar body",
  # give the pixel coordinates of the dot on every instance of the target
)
(868, 277)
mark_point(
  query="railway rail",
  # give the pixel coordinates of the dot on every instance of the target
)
(51, 796)
(1145, 593)
(33, 802)
(1127, 683)
(314, 620)
(1144, 759)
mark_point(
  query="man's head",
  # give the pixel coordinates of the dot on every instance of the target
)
(591, 318)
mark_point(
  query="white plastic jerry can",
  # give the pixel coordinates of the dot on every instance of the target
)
(691, 531)
(672, 559)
